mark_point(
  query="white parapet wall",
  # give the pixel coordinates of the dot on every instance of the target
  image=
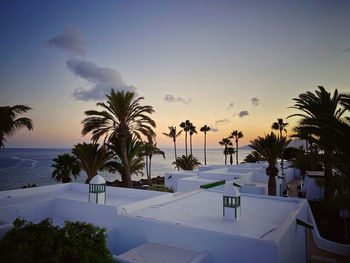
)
(171, 179)
(330, 246)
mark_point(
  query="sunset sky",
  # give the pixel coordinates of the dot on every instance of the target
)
(228, 64)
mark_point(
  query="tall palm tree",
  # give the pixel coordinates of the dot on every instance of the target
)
(135, 161)
(65, 166)
(316, 109)
(280, 126)
(172, 134)
(236, 135)
(186, 162)
(9, 125)
(230, 151)
(122, 117)
(192, 131)
(91, 158)
(185, 125)
(150, 149)
(205, 129)
(271, 148)
(225, 142)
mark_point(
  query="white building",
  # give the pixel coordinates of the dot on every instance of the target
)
(250, 176)
(182, 227)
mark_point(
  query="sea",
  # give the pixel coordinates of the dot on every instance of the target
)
(22, 166)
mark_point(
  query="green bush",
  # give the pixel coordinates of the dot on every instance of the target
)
(160, 188)
(44, 242)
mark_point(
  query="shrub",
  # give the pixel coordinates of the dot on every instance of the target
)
(44, 242)
(160, 188)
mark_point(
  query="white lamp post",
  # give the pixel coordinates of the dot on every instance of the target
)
(231, 202)
(97, 190)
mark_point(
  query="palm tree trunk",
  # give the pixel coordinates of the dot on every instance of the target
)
(205, 148)
(328, 176)
(175, 150)
(146, 157)
(272, 172)
(186, 142)
(236, 152)
(191, 143)
(128, 182)
(225, 155)
(176, 154)
(149, 176)
(231, 159)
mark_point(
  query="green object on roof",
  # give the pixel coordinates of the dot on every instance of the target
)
(214, 184)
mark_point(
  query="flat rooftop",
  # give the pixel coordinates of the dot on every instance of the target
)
(261, 216)
(115, 196)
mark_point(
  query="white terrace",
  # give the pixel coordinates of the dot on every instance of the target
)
(190, 226)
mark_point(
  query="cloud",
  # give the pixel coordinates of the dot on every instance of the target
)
(101, 79)
(243, 113)
(70, 40)
(230, 106)
(347, 49)
(214, 129)
(222, 122)
(255, 101)
(171, 98)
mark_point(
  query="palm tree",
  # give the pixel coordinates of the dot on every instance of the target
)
(205, 129)
(172, 134)
(91, 158)
(135, 161)
(225, 142)
(317, 109)
(192, 131)
(237, 135)
(150, 149)
(230, 151)
(9, 125)
(185, 125)
(186, 162)
(253, 157)
(280, 126)
(122, 117)
(271, 148)
(65, 166)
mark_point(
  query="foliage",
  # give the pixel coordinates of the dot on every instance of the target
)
(135, 161)
(122, 117)
(307, 162)
(225, 142)
(160, 188)
(289, 153)
(253, 157)
(319, 113)
(192, 131)
(44, 242)
(205, 129)
(91, 158)
(186, 126)
(186, 162)
(236, 135)
(65, 166)
(230, 151)
(271, 148)
(173, 134)
(9, 125)
(279, 126)
(148, 150)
